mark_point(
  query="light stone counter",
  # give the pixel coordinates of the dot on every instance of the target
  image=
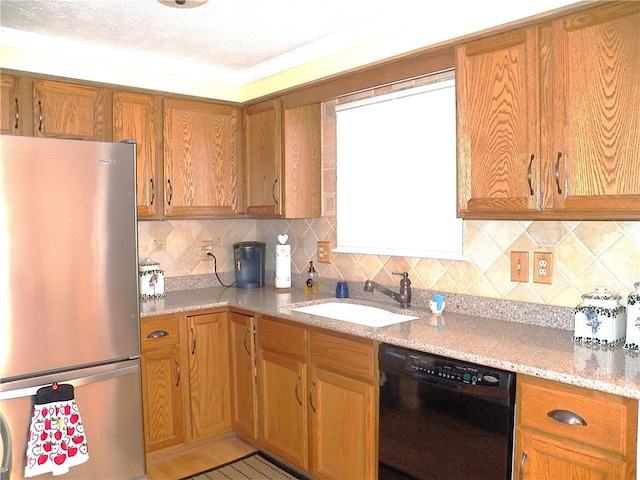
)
(519, 347)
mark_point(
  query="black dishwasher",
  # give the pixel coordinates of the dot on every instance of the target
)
(443, 419)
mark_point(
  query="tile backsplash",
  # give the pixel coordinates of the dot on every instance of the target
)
(586, 254)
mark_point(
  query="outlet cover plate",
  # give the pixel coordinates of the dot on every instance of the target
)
(542, 267)
(324, 252)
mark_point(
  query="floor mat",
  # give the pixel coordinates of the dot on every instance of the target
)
(255, 466)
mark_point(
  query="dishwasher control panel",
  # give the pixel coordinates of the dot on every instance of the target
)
(426, 365)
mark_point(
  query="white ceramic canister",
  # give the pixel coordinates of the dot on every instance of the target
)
(600, 319)
(632, 341)
(151, 279)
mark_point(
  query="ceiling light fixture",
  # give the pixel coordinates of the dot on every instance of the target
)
(183, 3)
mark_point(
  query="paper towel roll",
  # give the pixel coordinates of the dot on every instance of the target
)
(283, 266)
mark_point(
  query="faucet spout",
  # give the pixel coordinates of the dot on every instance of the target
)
(403, 297)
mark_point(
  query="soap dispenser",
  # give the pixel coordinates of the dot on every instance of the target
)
(311, 282)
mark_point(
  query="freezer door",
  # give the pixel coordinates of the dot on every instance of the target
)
(110, 406)
(68, 250)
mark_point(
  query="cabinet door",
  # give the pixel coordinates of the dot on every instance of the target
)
(263, 158)
(283, 407)
(162, 399)
(302, 162)
(498, 131)
(550, 458)
(596, 119)
(243, 382)
(200, 159)
(209, 374)
(10, 106)
(135, 117)
(347, 451)
(69, 111)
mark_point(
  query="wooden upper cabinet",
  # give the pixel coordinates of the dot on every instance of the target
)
(136, 117)
(497, 116)
(283, 160)
(302, 162)
(594, 68)
(548, 120)
(263, 158)
(11, 117)
(200, 159)
(69, 111)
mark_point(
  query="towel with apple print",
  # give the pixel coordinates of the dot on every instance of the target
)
(56, 439)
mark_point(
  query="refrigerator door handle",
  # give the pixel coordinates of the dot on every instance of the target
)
(5, 435)
(76, 382)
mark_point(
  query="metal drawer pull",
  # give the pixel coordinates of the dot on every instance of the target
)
(529, 180)
(557, 173)
(296, 390)
(565, 416)
(193, 339)
(177, 373)
(158, 334)
(273, 191)
(40, 116)
(246, 348)
(313, 387)
(17, 116)
(524, 459)
(153, 192)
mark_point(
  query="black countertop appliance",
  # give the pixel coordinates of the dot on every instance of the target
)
(249, 264)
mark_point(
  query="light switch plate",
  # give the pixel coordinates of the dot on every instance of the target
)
(519, 266)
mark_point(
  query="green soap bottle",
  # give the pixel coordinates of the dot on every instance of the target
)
(311, 282)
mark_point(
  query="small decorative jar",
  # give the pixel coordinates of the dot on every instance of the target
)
(600, 319)
(633, 320)
(151, 280)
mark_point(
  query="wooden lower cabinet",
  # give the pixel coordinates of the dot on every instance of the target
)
(243, 374)
(342, 425)
(209, 393)
(185, 378)
(593, 435)
(317, 399)
(162, 383)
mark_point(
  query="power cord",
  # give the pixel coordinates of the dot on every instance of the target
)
(215, 269)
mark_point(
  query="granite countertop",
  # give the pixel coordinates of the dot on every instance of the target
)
(540, 351)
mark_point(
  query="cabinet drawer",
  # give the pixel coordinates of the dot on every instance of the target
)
(346, 355)
(281, 337)
(608, 417)
(159, 333)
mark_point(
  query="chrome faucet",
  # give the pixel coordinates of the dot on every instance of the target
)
(403, 298)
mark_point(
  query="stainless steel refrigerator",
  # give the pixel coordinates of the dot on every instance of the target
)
(69, 301)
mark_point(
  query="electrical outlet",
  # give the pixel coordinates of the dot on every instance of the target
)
(519, 266)
(324, 252)
(206, 246)
(542, 267)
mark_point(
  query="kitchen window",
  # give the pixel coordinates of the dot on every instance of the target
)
(396, 173)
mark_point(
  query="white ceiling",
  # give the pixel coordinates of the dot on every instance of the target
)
(240, 41)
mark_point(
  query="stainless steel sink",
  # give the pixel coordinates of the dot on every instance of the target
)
(355, 313)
